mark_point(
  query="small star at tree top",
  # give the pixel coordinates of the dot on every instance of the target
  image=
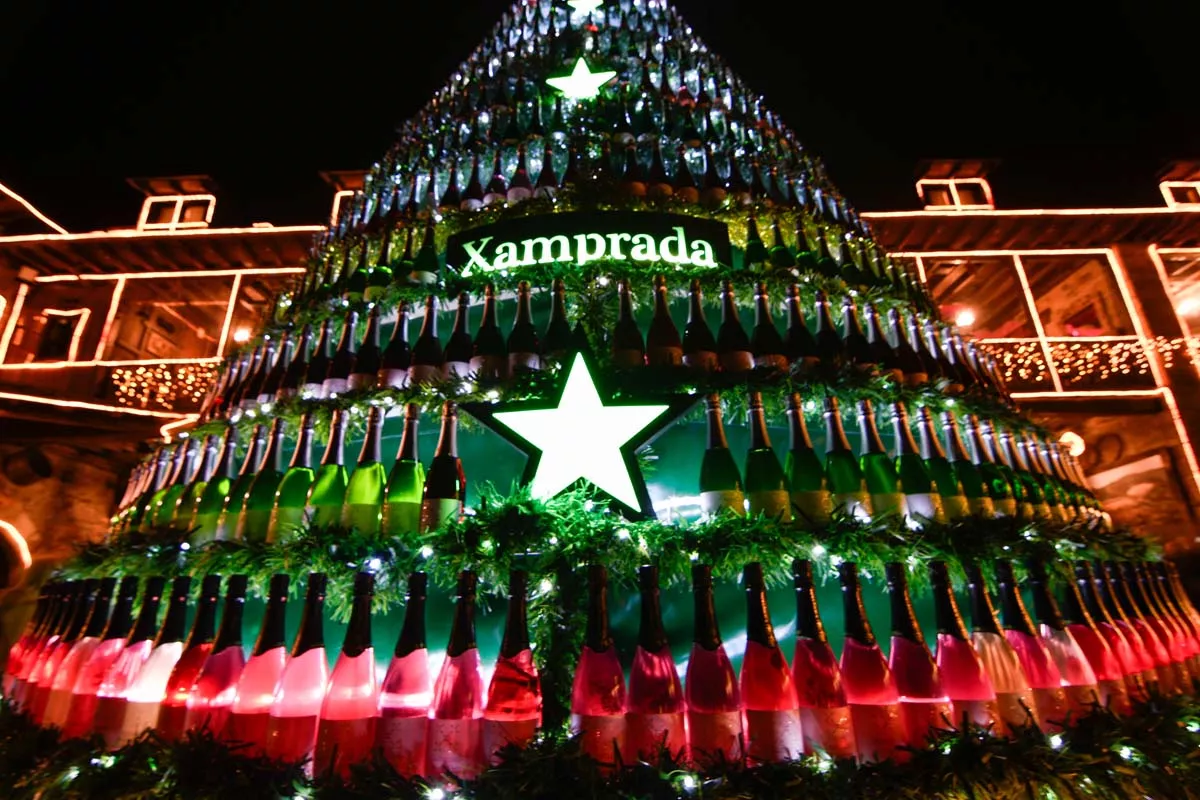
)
(582, 84)
(584, 7)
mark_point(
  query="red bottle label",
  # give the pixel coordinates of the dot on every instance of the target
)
(454, 747)
(773, 736)
(601, 736)
(403, 739)
(828, 729)
(715, 737)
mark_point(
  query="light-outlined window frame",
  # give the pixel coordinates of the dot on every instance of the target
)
(179, 203)
(952, 185)
(1168, 192)
(82, 314)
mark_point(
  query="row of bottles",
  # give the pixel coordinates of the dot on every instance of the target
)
(1124, 632)
(961, 466)
(911, 349)
(199, 486)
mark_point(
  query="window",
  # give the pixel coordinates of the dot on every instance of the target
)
(982, 295)
(961, 193)
(1180, 193)
(1077, 296)
(169, 317)
(61, 332)
(170, 212)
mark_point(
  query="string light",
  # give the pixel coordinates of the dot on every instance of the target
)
(163, 386)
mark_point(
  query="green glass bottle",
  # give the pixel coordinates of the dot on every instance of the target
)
(998, 485)
(164, 480)
(381, 274)
(254, 524)
(292, 494)
(974, 488)
(406, 483)
(164, 512)
(207, 514)
(808, 485)
(235, 502)
(328, 492)
(445, 484)
(842, 471)
(363, 509)
(921, 492)
(185, 506)
(766, 484)
(720, 478)
(1027, 502)
(1039, 471)
(1074, 500)
(954, 502)
(883, 482)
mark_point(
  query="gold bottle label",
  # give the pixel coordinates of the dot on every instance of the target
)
(812, 509)
(773, 505)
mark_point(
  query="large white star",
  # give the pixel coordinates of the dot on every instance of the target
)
(582, 438)
(584, 7)
(581, 84)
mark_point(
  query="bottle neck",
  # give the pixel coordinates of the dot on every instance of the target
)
(1044, 605)
(598, 637)
(147, 621)
(854, 614)
(273, 460)
(254, 457)
(97, 619)
(695, 306)
(808, 616)
(797, 429)
(462, 632)
(311, 635)
(1074, 607)
(835, 433)
(716, 425)
(447, 446)
(429, 324)
(204, 627)
(872, 444)
(759, 439)
(230, 634)
(729, 312)
(358, 632)
(1016, 615)
(758, 619)
(371, 337)
(302, 458)
(412, 634)
(372, 447)
(400, 330)
(460, 318)
(337, 441)
(271, 634)
(408, 441)
(983, 613)
(904, 618)
(705, 632)
(516, 626)
(173, 626)
(949, 619)
(931, 446)
(524, 315)
(905, 444)
(958, 450)
(651, 635)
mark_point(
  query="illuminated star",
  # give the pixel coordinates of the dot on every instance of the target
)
(585, 439)
(584, 7)
(582, 84)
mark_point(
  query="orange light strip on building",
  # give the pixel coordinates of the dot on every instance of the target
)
(1037, 322)
(145, 362)
(13, 314)
(233, 293)
(48, 401)
(1166, 186)
(30, 208)
(1063, 339)
(1030, 212)
(77, 332)
(14, 537)
(134, 234)
(117, 291)
(190, 273)
(166, 430)
(1161, 268)
(1121, 394)
(143, 223)
(966, 255)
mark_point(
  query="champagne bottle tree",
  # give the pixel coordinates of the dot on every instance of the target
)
(659, 368)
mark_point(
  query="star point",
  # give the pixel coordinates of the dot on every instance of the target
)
(582, 83)
(584, 7)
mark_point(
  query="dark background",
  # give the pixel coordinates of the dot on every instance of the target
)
(1082, 102)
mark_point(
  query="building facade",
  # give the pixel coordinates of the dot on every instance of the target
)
(1088, 310)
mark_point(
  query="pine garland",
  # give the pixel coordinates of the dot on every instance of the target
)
(1149, 754)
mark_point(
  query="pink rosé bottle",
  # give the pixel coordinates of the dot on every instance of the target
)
(925, 704)
(513, 712)
(1041, 669)
(37, 686)
(1136, 665)
(403, 728)
(30, 637)
(654, 707)
(1156, 662)
(172, 705)
(1188, 644)
(1111, 683)
(773, 731)
(144, 698)
(87, 681)
(824, 711)
(346, 728)
(292, 724)
(211, 698)
(714, 707)
(879, 729)
(1160, 578)
(598, 693)
(1171, 637)
(56, 620)
(457, 705)
(1078, 677)
(58, 703)
(110, 696)
(256, 687)
(1013, 695)
(964, 676)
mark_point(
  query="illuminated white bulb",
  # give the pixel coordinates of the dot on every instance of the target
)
(241, 335)
(1073, 442)
(965, 318)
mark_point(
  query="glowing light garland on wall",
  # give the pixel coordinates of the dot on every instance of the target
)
(162, 386)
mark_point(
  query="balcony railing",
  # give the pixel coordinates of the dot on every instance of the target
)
(168, 388)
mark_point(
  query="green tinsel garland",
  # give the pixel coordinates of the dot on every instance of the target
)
(1152, 753)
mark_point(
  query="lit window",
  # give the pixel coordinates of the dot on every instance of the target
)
(1180, 193)
(61, 334)
(174, 211)
(963, 193)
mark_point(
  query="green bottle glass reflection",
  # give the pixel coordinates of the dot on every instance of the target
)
(1075, 501)
(974, 488)
(1028, 455)
(445, 484)
(163, 480)
(185, 506)
(766, 484)
(954, 501)
(921, 491)
(842, 472)
(406, 484)
(363, 509)
(808, 487)
(255, 523)
(883, 482)
(164, 512)
(328, 491)
(235, 503)
(720, 479)
(998, 485)
(207, 516)
(1026, 502)
(292, 495)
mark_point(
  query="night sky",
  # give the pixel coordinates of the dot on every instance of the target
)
(1082, 109)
